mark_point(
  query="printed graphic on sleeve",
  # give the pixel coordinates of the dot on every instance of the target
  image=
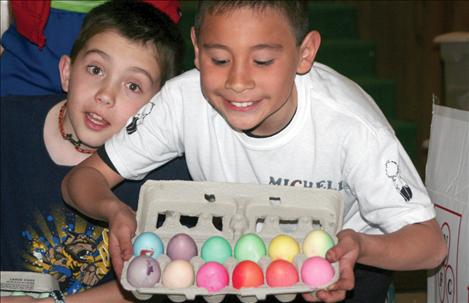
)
(392, 171)
(138, 118)
(69, 248)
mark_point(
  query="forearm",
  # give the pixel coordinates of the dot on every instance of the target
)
(416, 246)
(87, 187)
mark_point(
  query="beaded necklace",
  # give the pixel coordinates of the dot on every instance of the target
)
(68, 137)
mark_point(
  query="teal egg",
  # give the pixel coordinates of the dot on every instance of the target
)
(216, 249)
(250, 247)
(149, 244)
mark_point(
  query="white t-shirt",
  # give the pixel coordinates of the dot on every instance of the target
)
(338, 139)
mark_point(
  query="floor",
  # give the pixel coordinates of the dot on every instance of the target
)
(411, 297)
(410, 287)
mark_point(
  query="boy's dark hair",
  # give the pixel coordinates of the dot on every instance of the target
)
(139, 22)
(295, 11)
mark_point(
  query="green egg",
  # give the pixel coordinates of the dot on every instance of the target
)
(250, 247)
(216, 249)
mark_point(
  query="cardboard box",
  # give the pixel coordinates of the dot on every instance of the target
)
(266, 210)
(447, 180)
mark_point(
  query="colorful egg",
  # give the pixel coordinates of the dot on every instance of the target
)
(249, 247)
(281, 273)
(181, 247)
(143, 271)
(317, 243)
(213, 276)
(148, 244)
(283, 247)
(317, 271)
(178, 274)
(216, 249)
(247, 274)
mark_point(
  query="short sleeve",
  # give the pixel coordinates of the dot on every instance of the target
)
(389, 190)
(150, 139)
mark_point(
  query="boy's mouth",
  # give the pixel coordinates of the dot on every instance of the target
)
(95, 121)
(242, 104)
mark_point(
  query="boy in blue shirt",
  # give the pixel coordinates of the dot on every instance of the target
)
(125, 52)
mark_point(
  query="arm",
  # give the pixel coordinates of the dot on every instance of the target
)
(87, 187)
(415, 246)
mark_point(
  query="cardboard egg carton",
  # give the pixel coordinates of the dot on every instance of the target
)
(231, 210)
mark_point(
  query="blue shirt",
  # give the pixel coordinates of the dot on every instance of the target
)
(39, 231)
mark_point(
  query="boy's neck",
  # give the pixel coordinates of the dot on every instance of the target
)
(252, 135)
(278, 121)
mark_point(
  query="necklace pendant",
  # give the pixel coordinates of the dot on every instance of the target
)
(75, 143)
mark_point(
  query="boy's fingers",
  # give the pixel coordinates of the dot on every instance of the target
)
(346, 279)
(116, 256)
(310, 297)
(121, 250)
(331, 295)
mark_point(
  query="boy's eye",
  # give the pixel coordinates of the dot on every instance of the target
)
(219, 61)
(94, 70)
(134, 87)
(264, 62)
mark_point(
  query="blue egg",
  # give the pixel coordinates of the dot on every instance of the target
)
(148, 244)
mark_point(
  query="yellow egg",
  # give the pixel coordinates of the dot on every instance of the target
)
(283, 247)
(317, 243)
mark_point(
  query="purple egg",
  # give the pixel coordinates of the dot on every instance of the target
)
(181, 247)
(143, 271)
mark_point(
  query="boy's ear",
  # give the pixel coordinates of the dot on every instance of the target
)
(196, 48)
(308, 50)
(64, 69)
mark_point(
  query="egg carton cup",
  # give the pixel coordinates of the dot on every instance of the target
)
(36, 285)
(266, 210)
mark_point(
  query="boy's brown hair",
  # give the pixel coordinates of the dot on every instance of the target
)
(139, 22)
(295, 11)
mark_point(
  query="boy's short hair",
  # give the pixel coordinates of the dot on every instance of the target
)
(295, 11)
(140, 22)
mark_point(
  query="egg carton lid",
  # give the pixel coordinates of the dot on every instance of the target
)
(31, 283)
(267, 210)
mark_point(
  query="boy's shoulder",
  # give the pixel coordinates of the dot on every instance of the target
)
(186, 78)
(27, 106)
(337, 93)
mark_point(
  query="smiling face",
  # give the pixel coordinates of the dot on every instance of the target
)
(248, 60)
(109, 81)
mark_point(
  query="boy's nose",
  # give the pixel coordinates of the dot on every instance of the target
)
(106, 96)
(239, 79)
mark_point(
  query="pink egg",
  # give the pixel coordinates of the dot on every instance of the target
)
(143, 271)
(213, 276)
(281, 273)
(316, 271)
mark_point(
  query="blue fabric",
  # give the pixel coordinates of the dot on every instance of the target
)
(25, 69)
(39, 232)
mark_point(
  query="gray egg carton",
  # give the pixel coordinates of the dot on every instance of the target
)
(267, 210)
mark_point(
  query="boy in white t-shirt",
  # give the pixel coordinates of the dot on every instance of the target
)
(257, 110)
